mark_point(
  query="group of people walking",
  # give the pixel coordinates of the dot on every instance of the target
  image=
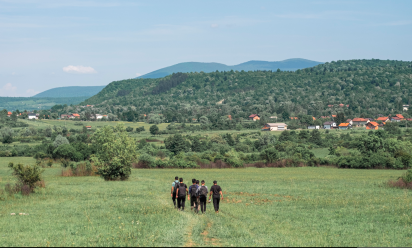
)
(196, 194)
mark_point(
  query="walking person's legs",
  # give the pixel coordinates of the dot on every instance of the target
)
(203, 204)
(174, 200)
(179, 203)
(216, 204)
(183, 200)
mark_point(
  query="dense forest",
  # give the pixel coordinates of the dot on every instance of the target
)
(357, 88)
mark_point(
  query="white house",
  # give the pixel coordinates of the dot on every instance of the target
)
(313, 127)
(33, 116)
(329, 125)
(275, 127)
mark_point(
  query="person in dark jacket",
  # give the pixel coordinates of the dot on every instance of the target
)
(192, 193)
(181, 193)
(202, 194)
(216, 191)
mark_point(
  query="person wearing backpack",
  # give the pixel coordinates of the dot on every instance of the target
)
(192, 193)
(175, 185)
(216, 191)
(202, 193)
(181, 195)
(197, 202)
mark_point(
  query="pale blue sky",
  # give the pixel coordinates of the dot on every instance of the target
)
(109, 40)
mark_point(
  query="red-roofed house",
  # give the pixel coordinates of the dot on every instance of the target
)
(372, 125)
(293, 118)
(76, 115)
(341, 105)
(395, 119)
(254, 117)
(400, 116)
(345, 125)
(9, 114)
(383, 119)
(360, 121)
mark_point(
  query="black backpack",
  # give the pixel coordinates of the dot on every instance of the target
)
(203, 191)
(182, 190)
(193, 191)
(175, 187)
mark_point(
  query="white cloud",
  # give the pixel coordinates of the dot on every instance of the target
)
(138, 74)
(9, 87)
(79, 69)
(214, 25)
(7, 90)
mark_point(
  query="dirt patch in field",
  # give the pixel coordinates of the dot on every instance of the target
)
(209, 241)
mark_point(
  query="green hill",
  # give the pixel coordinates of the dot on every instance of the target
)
(71, 91)
(285, 65)
(36, 103)
(369, 87)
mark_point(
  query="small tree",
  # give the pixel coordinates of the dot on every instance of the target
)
(270, 155)
(6, 135)
(60, 140)
(115, 151)
(154, 129)
(26, 174)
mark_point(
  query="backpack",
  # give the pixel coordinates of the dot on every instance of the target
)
(203, 191)
(175, 187)
(193, 191)
(182, 190)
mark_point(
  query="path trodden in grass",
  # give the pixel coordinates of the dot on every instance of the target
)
(262, 207)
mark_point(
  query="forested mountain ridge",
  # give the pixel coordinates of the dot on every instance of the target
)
(369, 87)
(71, 91)
(186, 67)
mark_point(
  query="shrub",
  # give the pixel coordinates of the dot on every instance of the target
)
(146, 160)
(270, 155)
(50, 162)
(115, 152)
(60, 140)
(27, 175)
(65, 163)
(407, 176)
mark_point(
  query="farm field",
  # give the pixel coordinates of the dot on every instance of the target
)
(262, 207)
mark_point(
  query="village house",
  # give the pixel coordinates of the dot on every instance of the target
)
(345, 126)
(275, 127)
(372, 125)
(294, 118)
(313, 127)
(383, 119)
(32, 116)
(395, 119)
(329, 125)
(400, 117)
(405, 107)
(254, 117)
(65, 116)
(89, 127)
(360, 121)
(9, 114)
(75, 116)
(349, 121)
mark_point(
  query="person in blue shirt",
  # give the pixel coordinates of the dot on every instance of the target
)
(175, 185)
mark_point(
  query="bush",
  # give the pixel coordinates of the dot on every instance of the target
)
(146, 160)
(27, 175)
(407, 176)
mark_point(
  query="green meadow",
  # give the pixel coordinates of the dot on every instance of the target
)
(262, 207)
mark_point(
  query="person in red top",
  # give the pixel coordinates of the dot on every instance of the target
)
(216, 191)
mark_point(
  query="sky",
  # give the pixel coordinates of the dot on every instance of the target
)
(53, 43)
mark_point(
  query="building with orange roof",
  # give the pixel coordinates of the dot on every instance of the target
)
(360, 121)
(372, 125)
(230, 117)
(400, 116)
(89, 127)
(76, 115)
(345, 126)
(383, 119)
(334, 116)
(9, 114)
(293, 118)
(314, 118)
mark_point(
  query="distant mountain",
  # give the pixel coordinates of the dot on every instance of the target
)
(37, 103)
(254, 65)
(71, 91)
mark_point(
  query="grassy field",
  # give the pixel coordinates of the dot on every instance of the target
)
(262, 207)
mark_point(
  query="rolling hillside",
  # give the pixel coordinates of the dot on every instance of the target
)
(71, 91)
(285, 65)
(369, 87)
(36, 103)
